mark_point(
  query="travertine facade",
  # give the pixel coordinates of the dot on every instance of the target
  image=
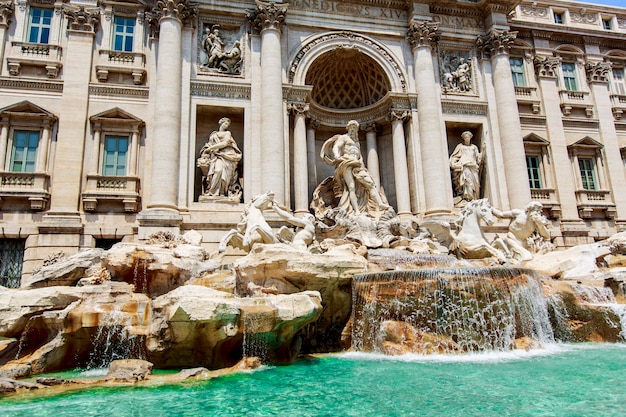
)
(105, 107)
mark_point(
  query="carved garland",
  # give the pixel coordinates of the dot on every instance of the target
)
(353, 37)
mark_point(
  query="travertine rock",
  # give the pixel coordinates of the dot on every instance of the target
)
(67, 271)
(129, 370)
(288, 271)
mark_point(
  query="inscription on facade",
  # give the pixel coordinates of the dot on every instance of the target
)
(348, 8)
(458, 22)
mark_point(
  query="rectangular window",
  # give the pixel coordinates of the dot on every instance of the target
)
(115, 151)
(569, 76)
(517, 72)
(587, 173)
(606, 24)
(24, 151)
(123, 34)
(619, 86)
(11, 260)
(534, 174)
(40, 22)
(558, 18)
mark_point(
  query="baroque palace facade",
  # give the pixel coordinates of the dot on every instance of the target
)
(105, 107)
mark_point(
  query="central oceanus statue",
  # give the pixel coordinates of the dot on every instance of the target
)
(469, 240)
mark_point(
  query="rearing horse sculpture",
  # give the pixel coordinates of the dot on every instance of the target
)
(252, 228)
(469, 240)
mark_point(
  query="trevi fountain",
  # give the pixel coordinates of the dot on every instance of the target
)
(375, 314)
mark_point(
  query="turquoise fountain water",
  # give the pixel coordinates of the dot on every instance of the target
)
(560, 380)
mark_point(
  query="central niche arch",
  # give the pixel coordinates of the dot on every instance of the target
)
(345, 78)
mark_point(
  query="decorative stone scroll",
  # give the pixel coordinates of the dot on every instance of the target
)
(6, 11)
(537, 12)
(496, 42)
(546, 66)
(267, 16)
(82, 20)
(422, 33)
(598, 71)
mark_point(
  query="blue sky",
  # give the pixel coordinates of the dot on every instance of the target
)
(619, 3)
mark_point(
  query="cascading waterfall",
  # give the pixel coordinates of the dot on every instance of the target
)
(604, 297)
(449, 310)
(140, 276)
(255, 343)
(113, 341)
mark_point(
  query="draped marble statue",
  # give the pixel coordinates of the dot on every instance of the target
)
(466, 162)
(352, 183)
(218, 162)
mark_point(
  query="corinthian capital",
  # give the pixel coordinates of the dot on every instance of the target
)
(545, 66)
(82, 20)
(398, 115)
(267, 16)
(598, 71)
(422, 33)
(177, 9)
(496, 42)
(298, 108)
(6, 11)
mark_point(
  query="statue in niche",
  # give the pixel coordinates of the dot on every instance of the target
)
(466, 162)
(213, 54)
(352, 181)
(218, 162)
(457, 74)
(528, 231)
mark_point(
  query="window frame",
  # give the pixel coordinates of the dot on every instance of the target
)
(588, 175)
(25, 159)
(538, 178)
(618, 86)
(115, 166)
(123, 35)
(558, 17)
(570, 76)
(39, 26)
(515, 75)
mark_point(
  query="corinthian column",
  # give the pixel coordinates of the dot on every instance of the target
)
(267, 19)
(497, 44)
(166, 143)
(598, 73)
(437, 185)
(372, 153)
(400, 166)
(300, 170)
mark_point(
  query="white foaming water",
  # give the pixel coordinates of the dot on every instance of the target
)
(475, 357)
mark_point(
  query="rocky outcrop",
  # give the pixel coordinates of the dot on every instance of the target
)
(67, 271)
(129, 370)
(281, 269)
(156, 270)
(195, 325)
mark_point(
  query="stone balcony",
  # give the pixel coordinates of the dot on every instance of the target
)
(547, 197)
(571, 100)
(35, 55)
(111, 189)
(527, 96)
(590, 201)
(117, 62)
(27, 186)
(618, 103)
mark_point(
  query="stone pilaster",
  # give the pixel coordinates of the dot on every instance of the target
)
(162, 207)
(372, 153)
(6, 12)
(400, 166)
(300, 169)
(545, 68)
(437, 185)
(66, 181)
(496, 45)
(267, 19)
(598, 75)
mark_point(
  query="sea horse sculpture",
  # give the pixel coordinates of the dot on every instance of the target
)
(469, 240)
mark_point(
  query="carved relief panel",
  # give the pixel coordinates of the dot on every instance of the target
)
(220, 49)
(456, 71)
